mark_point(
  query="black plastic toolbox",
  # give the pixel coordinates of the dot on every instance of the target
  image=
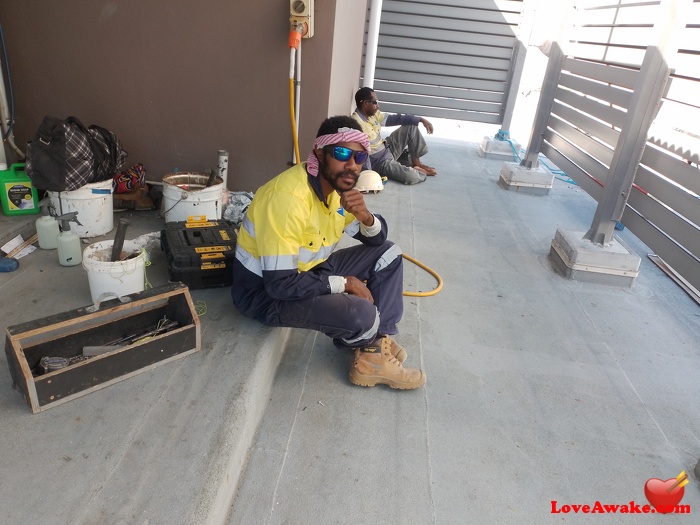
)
(199, 253)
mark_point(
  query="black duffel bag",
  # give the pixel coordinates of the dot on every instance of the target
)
(65, 155)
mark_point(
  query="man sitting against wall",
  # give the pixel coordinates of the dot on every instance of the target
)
(287, 271)
(398, 156)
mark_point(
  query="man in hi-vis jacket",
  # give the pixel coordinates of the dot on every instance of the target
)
(286, 272)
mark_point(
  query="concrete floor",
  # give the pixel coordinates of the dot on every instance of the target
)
(539, 388)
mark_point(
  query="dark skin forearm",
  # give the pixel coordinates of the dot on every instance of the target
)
(354, 202)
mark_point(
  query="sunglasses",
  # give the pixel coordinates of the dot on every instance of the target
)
(373, 102)
(343, 154)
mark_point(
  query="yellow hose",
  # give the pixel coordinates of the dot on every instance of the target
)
(291, 114)
(431, 272)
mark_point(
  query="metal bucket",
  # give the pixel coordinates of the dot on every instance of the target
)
(185, 194)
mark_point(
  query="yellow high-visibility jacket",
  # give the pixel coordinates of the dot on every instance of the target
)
(287, 230)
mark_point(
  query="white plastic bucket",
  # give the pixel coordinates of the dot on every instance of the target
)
(119, 277)
(185, 194)
(94, 205)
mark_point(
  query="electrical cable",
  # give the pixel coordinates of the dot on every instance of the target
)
(294, 42)
(9, 84)
(431, 272)
(293, 119)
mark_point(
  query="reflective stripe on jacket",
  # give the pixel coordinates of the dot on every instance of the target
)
(288, 230)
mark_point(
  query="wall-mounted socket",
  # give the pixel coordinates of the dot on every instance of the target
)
(302, 12)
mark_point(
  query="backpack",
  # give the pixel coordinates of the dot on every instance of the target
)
(65, 155)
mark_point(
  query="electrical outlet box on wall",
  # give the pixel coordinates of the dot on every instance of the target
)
(302, 12)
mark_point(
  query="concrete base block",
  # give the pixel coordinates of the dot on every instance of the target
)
(498, 149)
(537, 181)
(581, 260)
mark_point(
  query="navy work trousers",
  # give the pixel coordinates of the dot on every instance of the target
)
(350, 320)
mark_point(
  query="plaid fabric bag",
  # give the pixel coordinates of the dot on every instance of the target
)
(65, 155)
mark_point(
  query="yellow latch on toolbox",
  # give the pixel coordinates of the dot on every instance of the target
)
(213, 266)
(211, 249)
(199, 221)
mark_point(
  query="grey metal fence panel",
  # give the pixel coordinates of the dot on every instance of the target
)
(442, 92)
(587, 165)
(586, 123)
(666, 220)
(590, 108)
(603, 154)
(623, 77)
(596, 89)
(602, 112)
(683, 202)
(664, 246)
(673, 167)
(461, 56)
(581, 178)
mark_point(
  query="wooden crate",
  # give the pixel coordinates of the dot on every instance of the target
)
(66, 334)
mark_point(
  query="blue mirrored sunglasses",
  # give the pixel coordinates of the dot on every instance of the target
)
(343, 154)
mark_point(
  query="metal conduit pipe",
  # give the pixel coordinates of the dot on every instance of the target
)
(294, 43)
(297, 90)
(375, 16)
(5, 121)
(6, 116)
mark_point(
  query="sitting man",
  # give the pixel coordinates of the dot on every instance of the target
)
(287, 274)
(398, 156)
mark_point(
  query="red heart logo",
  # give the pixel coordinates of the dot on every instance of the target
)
(659, 495)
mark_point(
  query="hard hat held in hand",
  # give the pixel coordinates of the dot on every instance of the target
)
(369, 180)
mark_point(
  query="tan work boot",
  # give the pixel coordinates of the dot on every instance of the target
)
(397, 350)
(375, 365)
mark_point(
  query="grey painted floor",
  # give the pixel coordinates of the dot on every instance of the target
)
(539, 389)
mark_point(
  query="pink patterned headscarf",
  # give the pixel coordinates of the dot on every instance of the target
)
(343, 135)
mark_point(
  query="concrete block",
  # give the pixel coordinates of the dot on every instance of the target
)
(581, 260)
(499, 149)
(537, 181)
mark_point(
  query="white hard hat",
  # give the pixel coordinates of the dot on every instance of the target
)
(369, 180)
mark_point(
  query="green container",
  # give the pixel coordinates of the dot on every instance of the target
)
(18, 195)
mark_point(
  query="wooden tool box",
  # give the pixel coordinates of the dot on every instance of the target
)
(102, 325)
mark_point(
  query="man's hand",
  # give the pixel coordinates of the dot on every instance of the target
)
(354, 202)
(428, 126)
(354, 286)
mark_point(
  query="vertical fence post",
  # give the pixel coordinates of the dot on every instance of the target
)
(544, 105)
(645, 100)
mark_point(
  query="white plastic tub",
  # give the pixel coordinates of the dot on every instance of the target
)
(119, 277)
(94, 205)
(185, 194)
